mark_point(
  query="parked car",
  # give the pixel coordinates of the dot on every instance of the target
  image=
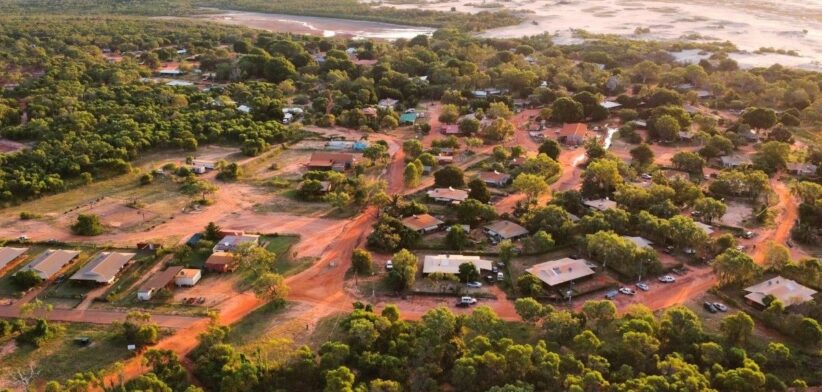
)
(465, 302)
(667, 279)
(748, 234)
(627, 291)
(500, 276)
(611, 294)
(720, 307)
(389, 265)
(646, 176)
(643, 286)
(474, 284)
(709, 307)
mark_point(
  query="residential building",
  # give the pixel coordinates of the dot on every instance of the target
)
(705, 227)
(448, 195)
(505, 230)
(735, 161)
(408, 118)
(337, 161)
(230, 243)
(450, 264)
(450, 129)
(50, 262)
(802, 169)
(786, 291)
(573, 134)
(387, 103)
(639, 241)
(422, 223)
(103, 268)
(495, 178)
(8, 255)
(157, 282)
(565, 270)
(188, 277)
(611, 105)
(600, 204)
(220, 262)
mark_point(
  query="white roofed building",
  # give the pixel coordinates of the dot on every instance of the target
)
(450, 264)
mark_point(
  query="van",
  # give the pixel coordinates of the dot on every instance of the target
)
(500, 277)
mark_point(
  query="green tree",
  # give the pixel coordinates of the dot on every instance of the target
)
(468, 272)
(710, 208)
(642, 155)
(531, 185)
(551, 148)
(361, 261)
(737, 328)
(759, 118)
(457, 238)
(404, 272)
(810, 332)
(340, 379)
(449, 176)
(412, 175)
(478, 191)
(666, 128)
(733, 267)
(449, 113)
(498, 130)
(212, 232)
(566, 110)
(87, 225)
(412, 148)
(530, 310)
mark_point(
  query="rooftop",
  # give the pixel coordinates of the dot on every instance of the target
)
(103, 267)
(450, 264)
(7, 255)
(188, 273)
(448, 194)
(786, 291)
(421, 222)
(160, 279)
(330, 158)
(50, 262)
(573, 129)
(600, 204)
(219, 258)
(506, 229)
(494, 176)
(639, 241)
(561, 271)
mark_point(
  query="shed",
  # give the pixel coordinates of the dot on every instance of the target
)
(156, 282)
(188, 277)
(220, 262)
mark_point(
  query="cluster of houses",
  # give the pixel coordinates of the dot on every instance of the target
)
(102, 269)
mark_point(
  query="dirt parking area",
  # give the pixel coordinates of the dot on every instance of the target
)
(215, 289)
(736, 214)
(113, 213)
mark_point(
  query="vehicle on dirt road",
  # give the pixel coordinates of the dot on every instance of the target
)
(627, 291)
(474, 284)
(720, 307)
(466, 302)
(709, 307)
(389, 265)
(611, 294)
(667, 279)
(643, 286)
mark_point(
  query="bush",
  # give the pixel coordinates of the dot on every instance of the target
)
(24, 280)
(87, 225)
(25, 215)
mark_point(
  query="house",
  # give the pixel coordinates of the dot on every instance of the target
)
(750, 136)
(230, 243)
(179, 83)
(422, 223)
(408, 118)
(639, 241)
(387, 103)
(8, 255)
(339, 145)
(573, 134)
(287, 118)
(450, 264)
(517, 162)
(802, 169)
(448, 195)
(611, 105)
(227, 232)
(786, 291)
(479, 94)
(505, 230)
(600, 204)
(444, 159)
(450, 129)
(495, 178)
(208, 165)
(50, 262)
(565, 270)
(337, 161)
(220, 262)
(706, 228)
(735, 161)
(188, 277)
(103, 268)
(157, 282)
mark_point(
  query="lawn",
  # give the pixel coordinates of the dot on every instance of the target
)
(60, 358)
(281, 245)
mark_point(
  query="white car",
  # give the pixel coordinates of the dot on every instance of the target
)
(643, 286)
(389, 265)
(468, 300)
(720, 307)
(626, 291)
(667, 279)
(474, 285)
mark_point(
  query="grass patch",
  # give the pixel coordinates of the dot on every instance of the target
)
(60, 358)
(255, 325)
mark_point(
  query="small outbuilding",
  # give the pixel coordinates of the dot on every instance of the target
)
(220, 262)
(505, 230)
(157, 282)
(188, 277)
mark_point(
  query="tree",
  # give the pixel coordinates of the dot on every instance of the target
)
(586, 343)
(664, 97)
(566, 110)
(506, 251)
(601, 178)
(601, 313)
(688, 161)
(340, 379)
(642, 155)
(666, 127)
(361, 261)
(680, 328)
(412, 175)
(468, 272)
(529, 285)
(229, 172)
(24, 280)
(212, 232)
(772, 156)
(449, 176)
(531, 185)
(457, 238)
(87, 225)
(499, 110)
(759, 118)
(498, 130)
(469, 126)
(551, 148)
(478, 191)
(810, 332)
(404, 272)
(139, 330)
(737, 328)
(529, 309)
(541, 241)
(412, 148)
(710, 208)
(449, 113)
(734, 267)
(777, 256)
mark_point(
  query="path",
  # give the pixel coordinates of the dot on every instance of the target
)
(787, 214)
